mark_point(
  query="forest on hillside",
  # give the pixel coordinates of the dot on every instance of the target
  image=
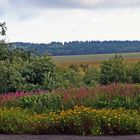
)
(80, 47)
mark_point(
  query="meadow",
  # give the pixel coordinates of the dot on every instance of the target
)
(93, 60)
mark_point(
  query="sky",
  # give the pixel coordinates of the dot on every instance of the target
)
(43, 21)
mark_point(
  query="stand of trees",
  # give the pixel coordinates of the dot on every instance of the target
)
(81, 48)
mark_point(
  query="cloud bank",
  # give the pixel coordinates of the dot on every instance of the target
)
(64, 20)
(24, 9)
(86, 4)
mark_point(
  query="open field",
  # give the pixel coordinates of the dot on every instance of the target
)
(93, 60)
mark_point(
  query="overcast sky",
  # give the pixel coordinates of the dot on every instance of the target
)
(67, 20)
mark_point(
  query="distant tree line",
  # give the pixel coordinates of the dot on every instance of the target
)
(80, 47)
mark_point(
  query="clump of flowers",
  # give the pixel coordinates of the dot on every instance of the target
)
(88, 121)
(79, 120)
(7, 97)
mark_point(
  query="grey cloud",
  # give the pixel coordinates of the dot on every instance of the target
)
(24, 9)
(47, 3)
(86, 4)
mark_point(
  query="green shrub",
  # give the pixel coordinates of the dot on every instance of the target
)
(13, 120)
(10, 78)
(113, 71)
(39, 70)
(136, 73)
(92, 77)
(68, 78)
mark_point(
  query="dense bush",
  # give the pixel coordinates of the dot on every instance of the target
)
(66, 78)
(136, 73)
(113, 71)
(34, 71)
(10, 78)
(92, 77)
(26, 75)
(39, 70)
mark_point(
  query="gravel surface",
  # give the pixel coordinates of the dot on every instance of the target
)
(61, 137)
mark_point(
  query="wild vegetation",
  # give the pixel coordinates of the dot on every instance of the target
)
(79, 100)
(112, 96)
(23, 72)
(112, 109)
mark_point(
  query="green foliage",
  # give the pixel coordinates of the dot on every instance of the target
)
(26, 75)
(74, 67)
(72, 78)
(3, 52)
(39, 103)
(66, 78)
(18, 54)
(13, 120)
(92, 77)
(10, 79)
(113, 70)
(35, 70)
(84, 67)
(136, 73)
